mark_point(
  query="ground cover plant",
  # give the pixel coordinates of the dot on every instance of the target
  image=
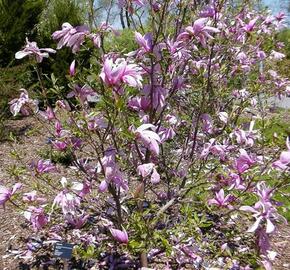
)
(174, 165)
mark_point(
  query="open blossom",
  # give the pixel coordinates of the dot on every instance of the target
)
(23, 104)
(139, 103)
(119, 71)
(199, 30)
(62, 104)
(37, 217)
(48, 114)
(212, 147)
(223, 116)
(249, 27)
(33, 197)
(159, 95)
(32, 49)
(42, 166)
(77, 221)
(83, 93)
(82, 189)
(277, 55)
(6, 193)
(246, 137)
(166, 134)
(112, 172)
(145, 42)
(221, 200)
(149, 169)
(244, 161)
(59, 145)
(261, 212)
(67, 142)
(236, 181)
(120, 236)
(70, 36)
(284, 160)
(207, 125)
(67, 201)
(148, 137)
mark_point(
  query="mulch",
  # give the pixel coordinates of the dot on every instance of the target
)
(30, 139)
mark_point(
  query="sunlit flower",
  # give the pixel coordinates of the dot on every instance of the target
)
(32, 49)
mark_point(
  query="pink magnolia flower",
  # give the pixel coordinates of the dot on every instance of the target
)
(166, 134)
(145, 169)
(67, 142)
(58, 128)
(48, 114)
(244, 161)
(74, 142)
(23, 104)
(6, 193)
(96, 38)
(206, 148)
(236, 181)
(42, 166)
(220, 199)
(72, 68)
(59, 145)
(120, 236)
(67, 201)
(284, 159)
(112, 171)
(145, 42)
(223, 116)
(199, 30)
(261, 212)
(83, 93)
(277, 56)
(261, 55)
(103, 187)
(207, 125)
(119, 71)
(123, 3)
(82, 189)
(149, 169)
(264, 193)
(219, 150)
(37, 217)
(32, 197)
(139, 103)
(70, 36)
(246, 137)
(149, 138)
(32, 49)
(77, 221)
(62, 104)
(159, 95)
(95, 122)
(249, 27)
(208, 11)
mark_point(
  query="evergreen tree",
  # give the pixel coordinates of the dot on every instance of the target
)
(17, 20)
